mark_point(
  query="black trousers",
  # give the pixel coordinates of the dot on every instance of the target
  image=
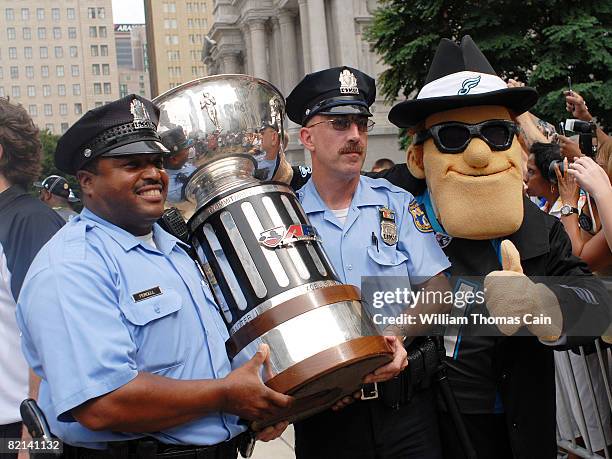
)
(370, 430)
(9, 432)
(488, 434)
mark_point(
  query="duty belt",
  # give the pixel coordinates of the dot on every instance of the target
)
(149, 448)
(422, 365)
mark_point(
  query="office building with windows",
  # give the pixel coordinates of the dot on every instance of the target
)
(57, 59)
(132, 63)
(176, 31)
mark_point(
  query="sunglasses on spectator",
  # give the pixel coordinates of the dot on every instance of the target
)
(454, 137)
(344, 123)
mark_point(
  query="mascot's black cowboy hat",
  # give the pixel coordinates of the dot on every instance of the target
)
(127, 126)
(335, 91)
(460, 76)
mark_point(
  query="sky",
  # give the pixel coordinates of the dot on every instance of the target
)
(128, 12)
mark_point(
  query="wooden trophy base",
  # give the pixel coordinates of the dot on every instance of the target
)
(321, 380)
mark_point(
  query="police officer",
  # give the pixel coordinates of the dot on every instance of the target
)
(270, 148)
(176, 162)
(57, 194)
(369, 228)
(117, 320)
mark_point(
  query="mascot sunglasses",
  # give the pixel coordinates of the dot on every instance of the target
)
(454, 137)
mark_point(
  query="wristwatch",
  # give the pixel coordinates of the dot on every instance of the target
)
(568, 210)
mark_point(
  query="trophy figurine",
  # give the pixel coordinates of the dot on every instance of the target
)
(263, 260)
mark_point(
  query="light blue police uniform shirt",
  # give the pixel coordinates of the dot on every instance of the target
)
(176, 181)
(351, 248)
(85, 334)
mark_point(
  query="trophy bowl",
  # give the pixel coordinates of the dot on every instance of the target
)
(264, 262)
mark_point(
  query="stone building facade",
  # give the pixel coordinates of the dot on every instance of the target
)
(282, 40)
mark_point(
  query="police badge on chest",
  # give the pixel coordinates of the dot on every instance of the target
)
(388, 228)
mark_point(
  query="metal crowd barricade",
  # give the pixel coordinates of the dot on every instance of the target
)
(599, 395)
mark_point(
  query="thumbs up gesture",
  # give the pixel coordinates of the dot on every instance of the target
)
(510, 257)
(516, 301)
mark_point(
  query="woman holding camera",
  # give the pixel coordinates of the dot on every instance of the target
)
(584, 227)
(594, 178)
(542, 181)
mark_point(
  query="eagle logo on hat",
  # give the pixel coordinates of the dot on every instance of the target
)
(141, 115)
(348, 83)
(468, 84)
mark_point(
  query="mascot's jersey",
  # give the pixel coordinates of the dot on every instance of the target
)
(473, 369)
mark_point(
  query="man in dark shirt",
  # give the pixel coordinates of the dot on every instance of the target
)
(26, 224)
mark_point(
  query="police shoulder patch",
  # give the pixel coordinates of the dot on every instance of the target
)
(419, 218)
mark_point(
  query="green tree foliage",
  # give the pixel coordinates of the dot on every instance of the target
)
(49, 142)
(540, 42)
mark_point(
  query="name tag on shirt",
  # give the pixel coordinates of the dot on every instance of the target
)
(146, 294)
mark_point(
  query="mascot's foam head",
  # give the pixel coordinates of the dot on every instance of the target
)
(465, 143)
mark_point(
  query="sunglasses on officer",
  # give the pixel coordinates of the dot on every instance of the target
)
(454, 137)
(344, 123)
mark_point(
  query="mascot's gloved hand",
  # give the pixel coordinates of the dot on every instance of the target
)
(509, 293)
(284, 173)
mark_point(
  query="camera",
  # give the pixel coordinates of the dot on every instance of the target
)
(587, 141)
(587, 135)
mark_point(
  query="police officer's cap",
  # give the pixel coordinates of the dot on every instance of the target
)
(265, 126)
(59, 186)
(337, 91)
(175, 140)
(127, 126)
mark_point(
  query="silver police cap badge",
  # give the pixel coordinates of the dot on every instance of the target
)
(388, 228)
(348, 82)
(141, 116)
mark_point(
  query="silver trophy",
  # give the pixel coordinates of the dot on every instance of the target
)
(263, 260)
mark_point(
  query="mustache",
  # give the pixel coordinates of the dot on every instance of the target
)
(352, 148)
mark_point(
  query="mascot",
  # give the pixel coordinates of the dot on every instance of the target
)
(466, 149)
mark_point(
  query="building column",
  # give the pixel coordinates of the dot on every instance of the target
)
(230, 62)
(289, 67)
(344, 18)
(305, 26)
(248, 61)
(258, 46)
(319, 50)
(276, 77)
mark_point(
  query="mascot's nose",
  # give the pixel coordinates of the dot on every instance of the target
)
(477, 154)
